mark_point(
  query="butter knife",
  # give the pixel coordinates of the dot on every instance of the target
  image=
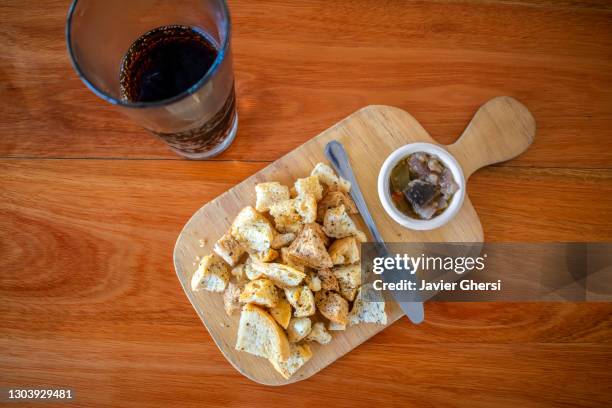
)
(336, 154)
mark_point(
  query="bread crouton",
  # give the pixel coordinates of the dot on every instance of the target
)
(348, 292)
(328, 177)
(283, 276)
(299, 354)
(309, 248)
(282, 311)
(312, 281)
(250, 272)
(298, 328)
(286, 217)
(335, 199)
(309, 185)
(238, 273)
(319, 333)
(290, 215)
(302, 300)
(228, 248)
(344, 251)
(360, 236)
(334, 326)
(282, 240)
(231, 296)
(253, 230)
(259, 334)
(332, 306)
(318, 230)
(306, 206)
(288, 260)
(328, 280)
(212, 274)
(349, 279)
(260, 292)
(269, 194)
(266, 256)
(367, 311)
(338, 223)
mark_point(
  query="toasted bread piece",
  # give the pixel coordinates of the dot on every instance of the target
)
(309, 185)
(265, 256)
(231, 296)
(228, 248)
(338, 223)
(335, 199)
(282, 240)
(299, 355)
(283, 276)
(348, 293)
(327, 176)
(253, 230)
(319, 333)
(367, 311)
(212, 274)
(332, 306)
(349, 279)
(282, 311)
(288, 260)
(298, 328)
(328, 280)
(312, 281)
(261, 292)
(290, 215)
(318, 230)
(286, 216)
(309, 248)
(239, 273)
(259, 334)
(344, 251)
(269, 194)
(348, 275)
(306, 206)
(334, 326)
(360, 236)
(250, 272)
(302, 300)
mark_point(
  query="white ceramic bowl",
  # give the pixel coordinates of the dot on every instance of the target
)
(384, 192)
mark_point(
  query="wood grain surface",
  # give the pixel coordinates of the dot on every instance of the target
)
(90, 205)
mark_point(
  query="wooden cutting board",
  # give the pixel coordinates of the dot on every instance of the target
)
(500, 130)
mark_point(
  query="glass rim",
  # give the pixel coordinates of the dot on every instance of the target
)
(189, 91)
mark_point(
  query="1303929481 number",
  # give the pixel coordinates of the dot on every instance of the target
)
(12, 394)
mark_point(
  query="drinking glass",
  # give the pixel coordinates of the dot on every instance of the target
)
(199, 122)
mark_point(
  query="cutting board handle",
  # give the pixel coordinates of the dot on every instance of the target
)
(502, 129)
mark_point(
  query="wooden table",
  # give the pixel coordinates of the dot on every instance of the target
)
(90, 204)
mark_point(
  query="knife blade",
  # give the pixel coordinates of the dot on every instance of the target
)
(338, 157)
